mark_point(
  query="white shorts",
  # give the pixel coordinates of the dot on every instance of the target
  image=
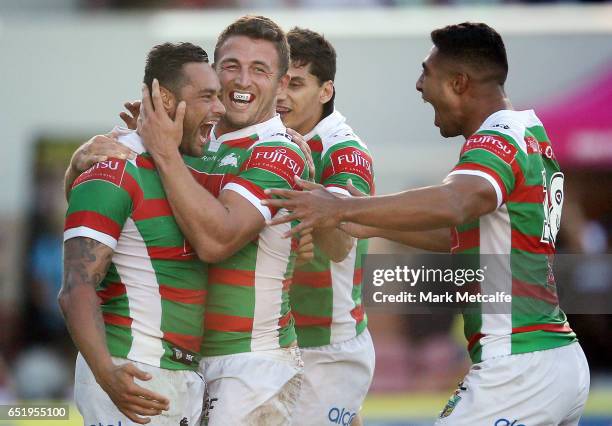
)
(336, 380)
(542, 388)
(184, 389)
(252, 388)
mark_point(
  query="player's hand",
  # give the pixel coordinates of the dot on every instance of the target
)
(317, 208)
(354, 229)
(305, 250)
(130, 118)
(99, 148)
(132, 400)
(298, 139)
(161, 135)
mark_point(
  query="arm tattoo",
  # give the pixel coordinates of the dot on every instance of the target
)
(85, 262)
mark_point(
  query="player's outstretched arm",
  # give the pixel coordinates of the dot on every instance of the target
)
(459, 199)
(99, 148)
(215, 228)
(85, 264)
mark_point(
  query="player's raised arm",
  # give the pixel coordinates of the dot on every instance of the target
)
(216, 227)
(458, 199)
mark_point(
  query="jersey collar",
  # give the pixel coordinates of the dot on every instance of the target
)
(326, 126)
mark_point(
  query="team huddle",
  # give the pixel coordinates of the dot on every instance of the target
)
(213, 248)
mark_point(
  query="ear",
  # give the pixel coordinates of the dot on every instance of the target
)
(327, 91)
(460, 83)
(283, 82)
(169, 100)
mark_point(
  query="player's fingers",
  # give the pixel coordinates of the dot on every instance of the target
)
(285, 193)
(180, 113)
(129, 121)
(134, 371)
(278, 220)
(154, 399)
(146, 106)
(354, 191)
(141, 407)
(306, 184)
(278, 202)
(133, 107)
(297, 229)
(135, 398)
(158, 103)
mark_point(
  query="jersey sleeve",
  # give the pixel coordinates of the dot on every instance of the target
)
(492, 157)
(344, 161)
(100, 202)
(268, 165)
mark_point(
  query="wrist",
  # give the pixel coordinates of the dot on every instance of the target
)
(166, 158)
(101, 370)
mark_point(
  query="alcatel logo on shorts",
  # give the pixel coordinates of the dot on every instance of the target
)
(506, 422)
(341, 416)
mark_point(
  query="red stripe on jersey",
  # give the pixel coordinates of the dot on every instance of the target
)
(285, 319)
(473, 340)
(145, 163)
(111, 291)
(357, 313)
(133, 189)
(523, 289)
(315, 145)
(182, 295)
(93, 220)
(527, 194)
(320, 279)
(115, 319)
(465, 240)
(357, 277)
(309, 321)
(227, 323)
(151, 208)
(170, 253)
(488, 171)
(231, 277)
(214, 183)
(241, 143)
(287, 283)
(184, 341)
(530, 243)
(555, 328)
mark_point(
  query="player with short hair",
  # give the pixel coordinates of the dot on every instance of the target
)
(504, 198)
(133, 291)
(251, 362)
(325, 295)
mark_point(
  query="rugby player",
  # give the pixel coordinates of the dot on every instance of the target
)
(133, 290)
(251, 362)
(325, 295)
(503, 197)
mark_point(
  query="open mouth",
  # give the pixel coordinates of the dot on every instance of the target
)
(241, 98)
(282, 110)
(206, 128)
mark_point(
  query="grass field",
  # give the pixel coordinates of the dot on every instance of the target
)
(416, 409)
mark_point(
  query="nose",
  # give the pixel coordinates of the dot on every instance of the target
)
(243, 78)
(419, 84)
(218, 107)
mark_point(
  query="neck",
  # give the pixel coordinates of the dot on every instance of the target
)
(485, 105)
(310, 124)
(225, 126)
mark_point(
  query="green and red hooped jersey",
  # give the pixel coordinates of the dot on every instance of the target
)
(512, 151)
(247, 306)
(326, 296)
(153, 296)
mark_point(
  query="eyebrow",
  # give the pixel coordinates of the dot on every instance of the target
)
(300, 79)
(253, 63)
(207, 92)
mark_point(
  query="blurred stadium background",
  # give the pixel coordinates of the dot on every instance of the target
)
(68, 66)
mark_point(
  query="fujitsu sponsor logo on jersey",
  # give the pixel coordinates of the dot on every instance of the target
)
(279, 160)
(109, 170)
(352, 160)
(492, 143)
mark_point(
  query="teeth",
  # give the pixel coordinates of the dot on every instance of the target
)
(245, 97)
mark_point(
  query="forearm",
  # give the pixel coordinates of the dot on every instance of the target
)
(437, 240)
(81, 309)
(334, 242)
(414, 210)
(198, 213)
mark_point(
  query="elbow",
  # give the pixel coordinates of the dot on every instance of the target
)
(212, 252)
(63, 300)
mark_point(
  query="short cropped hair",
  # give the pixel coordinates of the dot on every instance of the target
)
(311, 48)
(258, 28)
(165, 63)
(476, 45)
